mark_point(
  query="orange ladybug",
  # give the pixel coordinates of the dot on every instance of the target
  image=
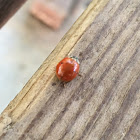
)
(67, 69)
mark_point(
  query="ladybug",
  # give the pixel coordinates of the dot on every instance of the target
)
(67, 69)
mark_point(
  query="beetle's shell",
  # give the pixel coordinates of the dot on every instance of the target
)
(67, 69)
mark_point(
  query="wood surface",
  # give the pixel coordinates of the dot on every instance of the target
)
(103, 104)
(8, 8)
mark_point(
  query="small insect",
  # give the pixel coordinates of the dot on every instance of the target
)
(67, 69)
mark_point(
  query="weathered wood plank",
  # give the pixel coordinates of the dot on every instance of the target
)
(102, 104)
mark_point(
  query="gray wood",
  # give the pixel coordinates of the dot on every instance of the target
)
(102, 104)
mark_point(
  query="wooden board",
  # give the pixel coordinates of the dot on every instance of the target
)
(102, 104)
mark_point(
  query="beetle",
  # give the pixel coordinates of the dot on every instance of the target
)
(67, 69)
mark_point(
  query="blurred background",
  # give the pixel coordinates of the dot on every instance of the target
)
(29, 37)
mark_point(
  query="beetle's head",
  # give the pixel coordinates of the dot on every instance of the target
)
(76, 59)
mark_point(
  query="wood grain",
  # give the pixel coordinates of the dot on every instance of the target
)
(102, 104)
(8, 8)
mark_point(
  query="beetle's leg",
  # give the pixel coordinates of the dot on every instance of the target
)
(63, 84)
(79, 75)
